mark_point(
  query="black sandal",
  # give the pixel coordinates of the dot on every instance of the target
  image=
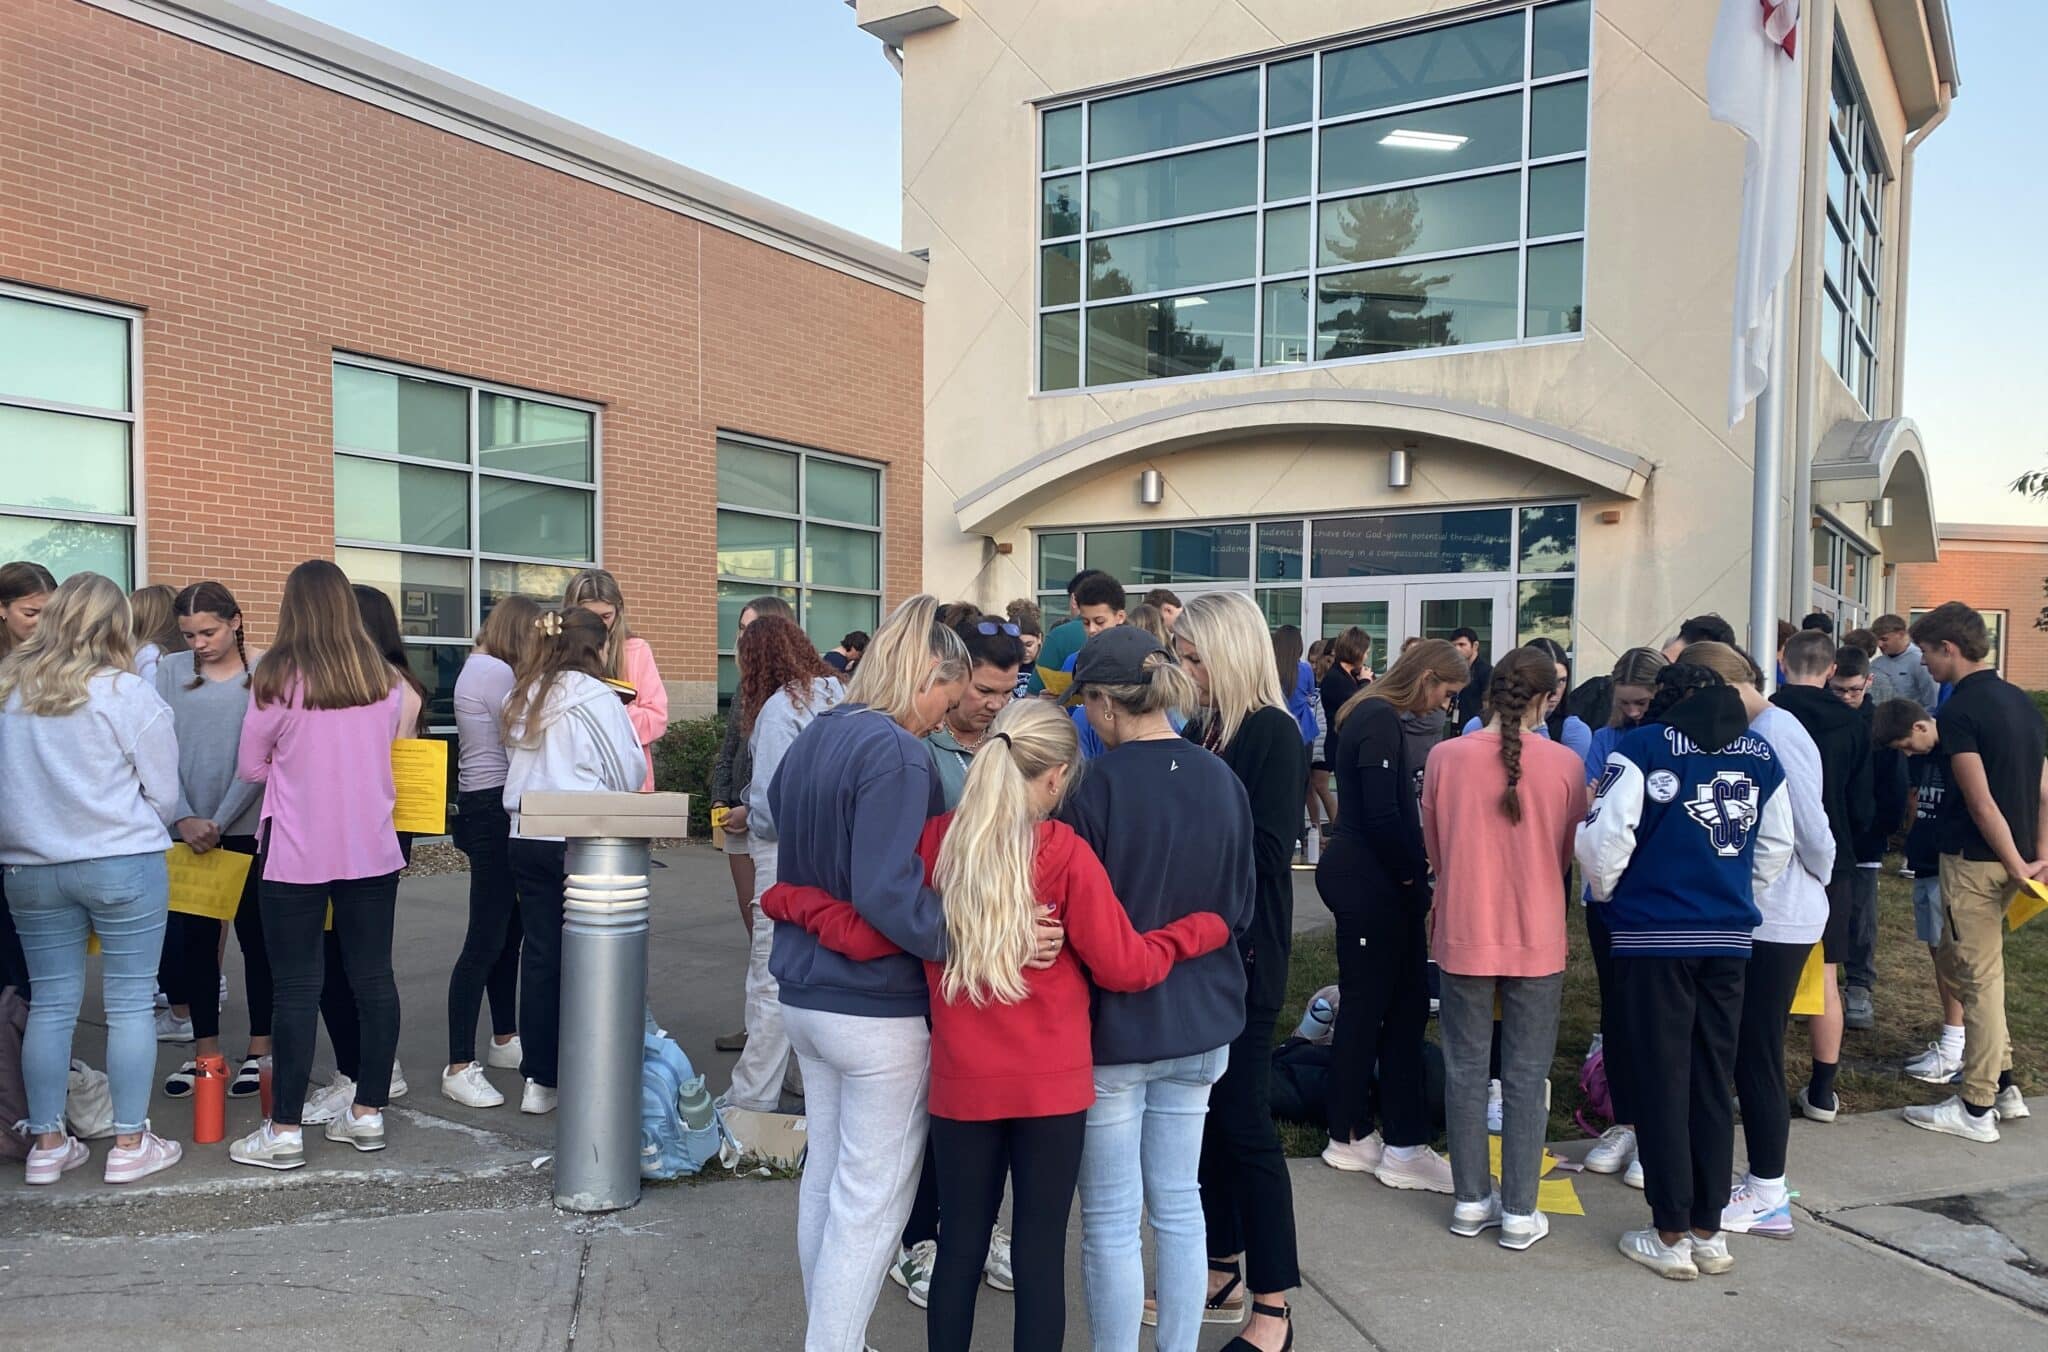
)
(1217, 1309)
(248, 1079)
(178, 1084)
(1285, 1312)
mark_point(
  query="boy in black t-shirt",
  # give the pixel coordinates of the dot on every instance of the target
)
(1904, 726)
(1991, 829)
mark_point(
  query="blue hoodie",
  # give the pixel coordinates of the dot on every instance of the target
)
(850, 801)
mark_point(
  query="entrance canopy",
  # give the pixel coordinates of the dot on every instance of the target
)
(1865, 460)
(1001, 500)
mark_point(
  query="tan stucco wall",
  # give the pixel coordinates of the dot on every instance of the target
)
(1648, 376)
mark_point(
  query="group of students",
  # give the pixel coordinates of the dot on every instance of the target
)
(128, 724)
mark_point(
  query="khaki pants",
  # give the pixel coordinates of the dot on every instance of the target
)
(1972, 960)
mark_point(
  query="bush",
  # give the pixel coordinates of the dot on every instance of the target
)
(683, 759)
(2040, 698)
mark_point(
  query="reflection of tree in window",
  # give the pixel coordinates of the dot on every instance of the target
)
(1380, 227)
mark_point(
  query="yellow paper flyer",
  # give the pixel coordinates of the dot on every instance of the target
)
(209, 884)
(2028, 902)
(419, 771)
(1808, 998)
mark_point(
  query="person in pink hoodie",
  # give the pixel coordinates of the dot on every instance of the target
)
(1500, 810)
(627, 658)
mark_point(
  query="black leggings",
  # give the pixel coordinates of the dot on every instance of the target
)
(1682, 1015)
(1041, 1156)
(489, 961)
(364, 912)
(13, 962)
(1767, 991)
(1613, 1028)
(924, 1208)
(1383, 1010)
(1247, 1197)
(539, 874)
(191, 961)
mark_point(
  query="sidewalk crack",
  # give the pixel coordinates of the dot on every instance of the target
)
(1312, 1284)
(576, 1306)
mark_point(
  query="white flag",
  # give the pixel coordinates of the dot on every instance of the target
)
(1754, 85)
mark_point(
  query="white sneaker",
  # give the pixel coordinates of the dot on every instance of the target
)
(1711, 1255)
(364, 1133)
(1633, 1175)
(1475, 1218)
(1813, 1112)
(267, 1148)
(1749, 1212)
(1427, 1171)
(399, 1087)
(162, 1001)
(2011, 1106)
(505, 1056)
(996, 1270)
(150, 1155)
(47, 1165)
(1951, 1118)
(1934, 1066)
(1493, 1108)
(1521, 1232)
(1666, 1260)
(171, 1028)
(912, 1270)
(1355, 1157)
(469, 1088)
(1613, 1152)
(325, 1104)
(537, 1098)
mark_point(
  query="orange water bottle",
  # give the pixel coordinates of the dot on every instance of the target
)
(209, 1100)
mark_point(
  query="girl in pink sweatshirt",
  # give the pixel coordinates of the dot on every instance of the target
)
(627, 658)
(1499, 813)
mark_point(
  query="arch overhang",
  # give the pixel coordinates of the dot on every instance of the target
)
(1868, 459)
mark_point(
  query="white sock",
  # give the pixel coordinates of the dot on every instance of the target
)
(1768, 1190)
(1405, 1153)
(1952, 1041)
(278, 1133)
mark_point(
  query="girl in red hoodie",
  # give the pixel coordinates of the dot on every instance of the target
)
(1012, 1070)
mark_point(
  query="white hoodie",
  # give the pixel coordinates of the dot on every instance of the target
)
(1795, 903)
(587, 743)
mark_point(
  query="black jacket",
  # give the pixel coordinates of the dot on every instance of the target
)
(1269, 759)
(1472, 699)
(1846, 787)
(1893, 792)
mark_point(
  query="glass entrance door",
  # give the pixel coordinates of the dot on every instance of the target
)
(1377, 608)
(1440, 609)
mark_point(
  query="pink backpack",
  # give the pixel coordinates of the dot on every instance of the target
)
(1599, 1098)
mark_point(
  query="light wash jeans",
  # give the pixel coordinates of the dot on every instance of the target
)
(123, 900)
(865, 1083)
(757, 1075)
(1142, 1160)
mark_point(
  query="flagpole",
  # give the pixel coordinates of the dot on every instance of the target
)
(1769, 416)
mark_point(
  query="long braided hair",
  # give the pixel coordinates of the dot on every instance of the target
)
(211, 598)
(1525, 676)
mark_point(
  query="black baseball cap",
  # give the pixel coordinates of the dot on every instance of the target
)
(1116, 656)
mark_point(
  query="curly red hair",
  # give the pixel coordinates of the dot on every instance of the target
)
(775, 655)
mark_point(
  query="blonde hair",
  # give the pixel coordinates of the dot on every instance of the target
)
(907, 656)
(987, 869)
(1150, 619)
(85, 630)
(153, 612)
(597, 584)
(1725, 661)
(1167, 687)
(1229, 633)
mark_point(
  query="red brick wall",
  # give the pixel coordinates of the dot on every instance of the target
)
(1990, 575)
(262, 223)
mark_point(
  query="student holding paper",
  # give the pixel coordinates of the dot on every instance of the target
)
(626, 658)
(207, 689)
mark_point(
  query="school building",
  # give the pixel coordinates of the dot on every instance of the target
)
(1402, 314)
(2002, 571)
(270, 292)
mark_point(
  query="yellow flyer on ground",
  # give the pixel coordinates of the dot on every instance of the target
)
(2030, 901)
(1809, 998)
(419, 771)
(209, 884)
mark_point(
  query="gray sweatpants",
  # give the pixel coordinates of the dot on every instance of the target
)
(1528, 1039)
(864, 1099)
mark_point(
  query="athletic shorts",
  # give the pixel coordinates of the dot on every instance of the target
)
(1834, 940)
(1927, 912)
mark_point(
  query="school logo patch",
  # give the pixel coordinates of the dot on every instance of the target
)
(1726, 808)
(1662, 786)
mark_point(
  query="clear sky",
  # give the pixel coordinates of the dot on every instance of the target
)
(788, 99)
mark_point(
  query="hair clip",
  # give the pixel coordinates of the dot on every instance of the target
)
(549, 622)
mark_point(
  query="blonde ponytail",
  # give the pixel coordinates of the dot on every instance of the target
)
(987, 870)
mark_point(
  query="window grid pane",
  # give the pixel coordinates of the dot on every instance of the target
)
(1855, 284)
(1179, 156)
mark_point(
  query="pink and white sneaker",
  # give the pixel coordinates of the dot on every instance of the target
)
(47, 1165)
(150, 1155)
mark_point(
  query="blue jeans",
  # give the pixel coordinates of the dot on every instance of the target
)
(1152, 1113)
(123, 900)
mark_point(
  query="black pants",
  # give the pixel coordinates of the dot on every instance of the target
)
(1767, 991)
(1682, 1015)
(1614, 1035)
(191, 961)
(924, 1208)
(538, 874)
(364, 911)
(1041, 1157)
(1247, 1198)
(489, 961)
(13, 962)
(338, 1008)
(1382, 962)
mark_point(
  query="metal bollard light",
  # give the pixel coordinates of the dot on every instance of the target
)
(604, 996)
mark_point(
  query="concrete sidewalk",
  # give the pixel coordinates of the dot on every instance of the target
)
(448, 1240)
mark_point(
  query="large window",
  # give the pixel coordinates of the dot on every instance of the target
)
(1420, 191)
(450, 494)
(67, 434)
(1854, 240)
(801, 525)
(1994, 628)
(1841, 576)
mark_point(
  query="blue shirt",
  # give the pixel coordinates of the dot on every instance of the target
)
(1577, 739)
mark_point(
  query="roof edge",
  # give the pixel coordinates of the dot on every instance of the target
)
(317, 53)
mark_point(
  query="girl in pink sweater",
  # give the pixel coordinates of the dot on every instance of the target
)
(627, 658)
(1499, 812)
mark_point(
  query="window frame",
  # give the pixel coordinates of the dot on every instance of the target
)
(472, 467)
(1831, 596)
(1259, 279)
(804, 519)
(135, 521)
(1869, 196)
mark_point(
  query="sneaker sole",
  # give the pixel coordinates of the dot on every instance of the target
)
(1344, 1166)
(1715, 1267)
(280, 1165)
(1411, 1184)
(1226, 1316)
(1615, 1168)
(1466, 1231)
(497, 1102)
(366, 1147)
(1941, 1130)
(996, 1285)
(1759, 1231)
(1668, 1273)
(1932, 1078)
(1520, 1242)
(134, 1175)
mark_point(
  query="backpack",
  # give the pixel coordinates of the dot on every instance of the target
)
(672, 1096)
(14, 1142)
(1599, 1097)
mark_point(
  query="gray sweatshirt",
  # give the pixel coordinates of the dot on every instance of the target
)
(1794, 905)
(208, 724)
(99, 782)
(1908, 674)
(481, 690)
(775, 727)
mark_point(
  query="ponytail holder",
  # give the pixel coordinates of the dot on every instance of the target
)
(1002, 737)
(549, 623)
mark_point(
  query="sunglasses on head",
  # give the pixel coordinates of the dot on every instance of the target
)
(995, 627)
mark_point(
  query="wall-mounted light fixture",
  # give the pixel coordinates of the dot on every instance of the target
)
(1151, 488)
(1881, 514)
(1400, 473)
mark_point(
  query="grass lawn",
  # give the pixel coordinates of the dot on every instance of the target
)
(1908, 1017)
